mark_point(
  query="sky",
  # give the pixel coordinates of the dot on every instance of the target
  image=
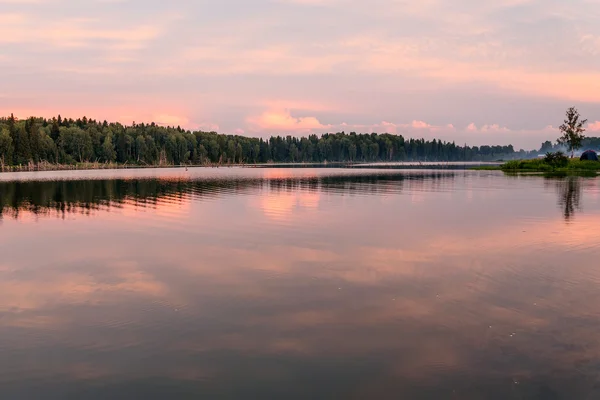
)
(470, 71)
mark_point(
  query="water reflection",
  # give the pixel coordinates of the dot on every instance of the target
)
(83, 196)
(569, 196)
(312, 286)
(569, 191)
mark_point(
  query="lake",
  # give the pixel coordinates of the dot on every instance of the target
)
(242, 283)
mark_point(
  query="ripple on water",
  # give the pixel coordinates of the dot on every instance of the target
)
(425, 283)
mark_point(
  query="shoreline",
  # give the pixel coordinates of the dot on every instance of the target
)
(47, 167)
(102, 166)
(538, 166)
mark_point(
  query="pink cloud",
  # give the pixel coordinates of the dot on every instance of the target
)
(472, 127)
(486, 128)
(207, 127)
(493, 128)
(414, 129)
(167, 119)
(73, 32)
(594, 126)
(283, 121)
(420, 125)
(123, 115)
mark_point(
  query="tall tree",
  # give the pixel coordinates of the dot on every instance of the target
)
(76, 143)
(5, 147)
(572, 130)
(22, 148)
(108, 150)
(55, 130)
(33, 132)
(12, 127)
(140, 148)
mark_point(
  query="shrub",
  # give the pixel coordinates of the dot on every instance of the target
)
(526, 165)
(556, 160)
(584, 165)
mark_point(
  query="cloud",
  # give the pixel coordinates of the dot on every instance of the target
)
(166, 119)
(506, 66)
(486, 128)
(282, 121)
(206, 127)
(472, 127)
(22, 2)
(594, 126)
(73, 32)
(320, 3)
(420, 124)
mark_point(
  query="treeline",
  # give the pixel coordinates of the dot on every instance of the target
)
(588, 143)
(68, 141)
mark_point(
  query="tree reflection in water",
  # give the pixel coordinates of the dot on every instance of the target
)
(61, 197)
(569, 196)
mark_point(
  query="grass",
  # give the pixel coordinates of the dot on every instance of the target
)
(46, 166)
(538, 165)
(584, 165)
(487, 168)
(535, 165)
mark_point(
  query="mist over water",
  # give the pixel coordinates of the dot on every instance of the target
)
(299, 283)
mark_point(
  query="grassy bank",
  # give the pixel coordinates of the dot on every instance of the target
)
(515, 166)
(45, 166)
(539, 165)
(487, 168)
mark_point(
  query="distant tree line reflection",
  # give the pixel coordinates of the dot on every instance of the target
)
(84, 196)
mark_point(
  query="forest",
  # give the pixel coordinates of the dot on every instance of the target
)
(66, 141)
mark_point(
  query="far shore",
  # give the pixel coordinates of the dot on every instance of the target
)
(337, 164)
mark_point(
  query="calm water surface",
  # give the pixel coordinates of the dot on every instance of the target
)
(298, 283)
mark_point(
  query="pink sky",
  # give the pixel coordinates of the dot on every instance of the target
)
(478, 72)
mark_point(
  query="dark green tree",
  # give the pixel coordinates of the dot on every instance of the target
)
(108, 151)
(5, 147)
(22, 149)
(76, 143)
(572, 131)
(55, 129)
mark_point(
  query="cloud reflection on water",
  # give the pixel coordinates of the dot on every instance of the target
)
(399, 296)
